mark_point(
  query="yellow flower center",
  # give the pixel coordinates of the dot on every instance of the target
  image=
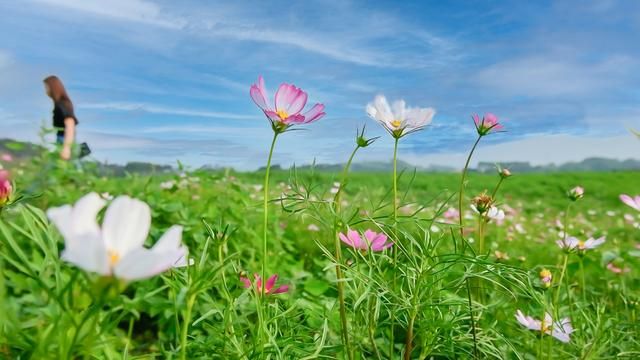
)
(396, 123)
(545, 273)
(581, 245)
(114, 257)
(282, 114)
(544, 327)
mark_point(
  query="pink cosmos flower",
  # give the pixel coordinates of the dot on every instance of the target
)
(5, 187)
(572, 243)
(560, 330)
(6, 157)
(373, 240)
(488, 123)
(451, 214)
(617, 270)
(268, 287)
(288, 105)
(634, 202)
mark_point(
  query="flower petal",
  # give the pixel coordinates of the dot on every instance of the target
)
(259, 94)
(143, 263)
(297, 103)
(126, 225)
(315, 113)
(271, 281)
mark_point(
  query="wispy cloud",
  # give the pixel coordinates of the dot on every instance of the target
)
(141, 11)
(160, 109)
(541, 76)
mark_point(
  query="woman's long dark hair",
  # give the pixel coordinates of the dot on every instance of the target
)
(58, 93)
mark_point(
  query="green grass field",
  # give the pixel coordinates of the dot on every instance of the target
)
(439, 296)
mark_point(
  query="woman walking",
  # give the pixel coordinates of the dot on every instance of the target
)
(64, 119)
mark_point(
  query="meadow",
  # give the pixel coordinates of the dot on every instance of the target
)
(359, 265)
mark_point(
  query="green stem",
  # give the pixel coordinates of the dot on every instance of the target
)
(185, 327)
(394, 249)
(495, 191)
(409, 344)
(462, 179)
(336, 229)
(584, 297)
(265, 223)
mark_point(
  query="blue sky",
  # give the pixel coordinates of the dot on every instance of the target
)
(164, 80)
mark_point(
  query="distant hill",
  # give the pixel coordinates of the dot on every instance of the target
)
(589, 164)
(21, 151)
(25, 150)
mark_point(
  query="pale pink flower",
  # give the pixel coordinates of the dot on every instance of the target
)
(268, 287)
(634, 202)
(576, 193)
(487, 124)
(371, 239)
(572, 243)
(288, 105)
(560, 330)
(5, 187)
(6, 157)
(451, 214)
(617, 270)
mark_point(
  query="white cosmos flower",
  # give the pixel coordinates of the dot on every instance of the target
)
(560, 330)
(572, 243)
(398, 119)
(116, 248)
(495, 214)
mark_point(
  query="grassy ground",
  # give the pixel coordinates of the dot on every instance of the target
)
(51, 309)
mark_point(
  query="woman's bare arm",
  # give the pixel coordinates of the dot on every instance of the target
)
(69, 136)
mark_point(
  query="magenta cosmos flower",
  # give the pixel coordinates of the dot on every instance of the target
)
(5, 187)
(488, 124)
(634, 202)
(560, 330)
(288, 105)
(371, 239)
(268, 287)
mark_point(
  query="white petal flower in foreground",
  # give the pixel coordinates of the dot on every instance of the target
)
(398, 119)
(560, 330)
(116, 248)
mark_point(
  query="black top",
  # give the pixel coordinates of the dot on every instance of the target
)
(62, 111)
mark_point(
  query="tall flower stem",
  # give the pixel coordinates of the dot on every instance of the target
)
(461, 224)
(582, 287)
(336, 230)
(395, 236)
(462, 179)
(495, 191)
(566, 260)
(265, 226)
(265, 223)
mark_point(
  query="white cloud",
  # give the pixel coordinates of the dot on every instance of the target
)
(540, 76)
(141, 11)
(160, 109)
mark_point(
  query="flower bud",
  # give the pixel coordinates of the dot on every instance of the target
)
(576, 193)
(504, 173)
(5, 187)
(545, 278)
